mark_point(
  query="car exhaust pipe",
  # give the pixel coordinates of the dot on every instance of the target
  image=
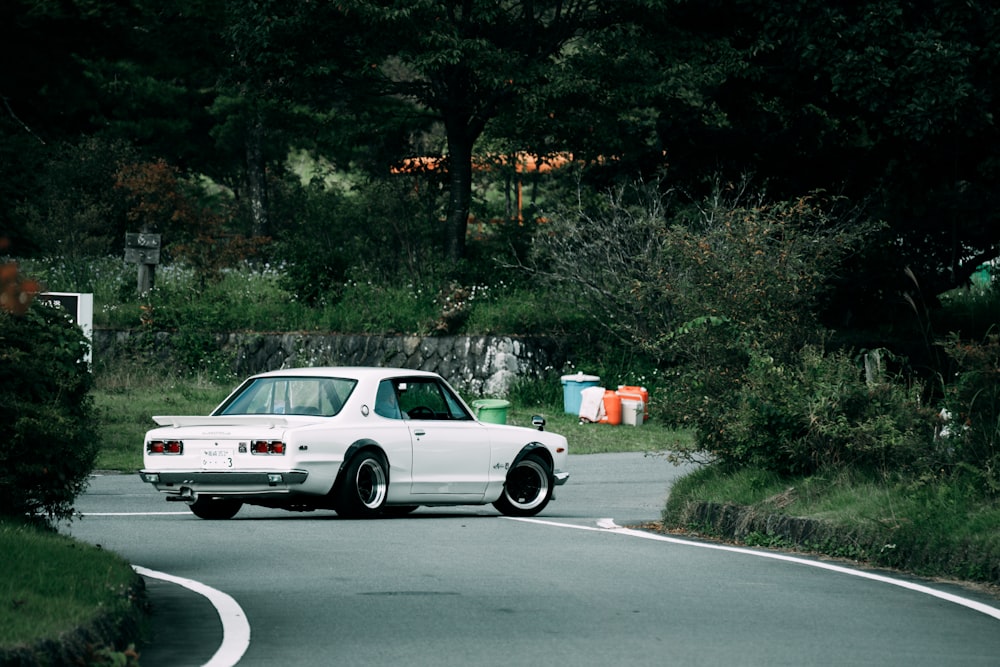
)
(187, 495)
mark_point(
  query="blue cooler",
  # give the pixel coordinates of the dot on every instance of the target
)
(573, 385)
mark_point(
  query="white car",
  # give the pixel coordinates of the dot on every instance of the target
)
(365, 442)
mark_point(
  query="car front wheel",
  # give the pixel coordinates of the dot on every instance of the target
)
(528, 488)
(215, 508)
(364, 487)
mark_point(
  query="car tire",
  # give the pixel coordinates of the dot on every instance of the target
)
(528, 488)
(364, 488)
(215, 508)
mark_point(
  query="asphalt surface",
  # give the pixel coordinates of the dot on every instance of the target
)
(461, 586)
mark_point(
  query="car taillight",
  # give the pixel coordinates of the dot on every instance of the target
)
(165, 447)
(268, 447)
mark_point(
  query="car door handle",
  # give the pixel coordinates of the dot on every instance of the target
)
(419, 431)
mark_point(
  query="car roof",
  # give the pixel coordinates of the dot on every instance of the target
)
(351, 372)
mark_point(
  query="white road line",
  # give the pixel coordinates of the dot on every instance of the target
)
(235, 628)
(134, 513)
(609, 526)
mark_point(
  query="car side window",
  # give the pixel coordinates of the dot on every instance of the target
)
(386, 403)
(423, 399)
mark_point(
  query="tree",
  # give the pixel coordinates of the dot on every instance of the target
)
(466, 63)
(892, 104)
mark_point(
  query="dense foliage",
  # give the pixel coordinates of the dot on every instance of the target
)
(822, 174)
(971, 442)
(890, 104)
(48, 442)
(726, 296)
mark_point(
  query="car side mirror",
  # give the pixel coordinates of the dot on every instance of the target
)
(538, 422)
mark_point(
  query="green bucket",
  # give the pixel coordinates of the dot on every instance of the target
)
(491, 410)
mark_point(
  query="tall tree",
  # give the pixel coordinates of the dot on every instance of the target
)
(467, 63)
(890, 102)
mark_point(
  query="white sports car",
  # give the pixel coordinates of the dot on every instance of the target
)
(365, 442)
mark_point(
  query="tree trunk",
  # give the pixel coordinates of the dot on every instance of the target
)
(257, 177)
(460, 144)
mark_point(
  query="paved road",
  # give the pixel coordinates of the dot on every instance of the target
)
(463, 586)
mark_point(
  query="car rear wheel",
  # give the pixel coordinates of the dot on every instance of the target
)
(215, 508)
(528, 488)
(364, 487)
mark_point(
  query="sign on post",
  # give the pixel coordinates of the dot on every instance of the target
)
(143, 249)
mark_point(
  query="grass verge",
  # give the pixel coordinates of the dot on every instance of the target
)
(52, 586)
(126, 400)
(940, 530)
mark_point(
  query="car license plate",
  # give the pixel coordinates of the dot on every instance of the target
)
(217, 458)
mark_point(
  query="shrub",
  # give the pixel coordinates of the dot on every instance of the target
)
(664, 276)
(48, 442)
(971, 444)
(820, 411)
(317, 244)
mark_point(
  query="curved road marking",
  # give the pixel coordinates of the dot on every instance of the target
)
(609, 525)
(235, 628)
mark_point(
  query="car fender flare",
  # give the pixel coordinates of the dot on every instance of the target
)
(531, 448)
(355, 448)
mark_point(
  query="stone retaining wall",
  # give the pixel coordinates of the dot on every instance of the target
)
(478, 365)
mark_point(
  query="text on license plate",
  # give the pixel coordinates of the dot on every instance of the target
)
(217, 458)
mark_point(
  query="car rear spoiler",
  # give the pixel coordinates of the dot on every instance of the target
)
(224, 420)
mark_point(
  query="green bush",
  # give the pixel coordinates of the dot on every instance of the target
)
(971, 443)
(48, 442)
(819, 411)
(317, 244)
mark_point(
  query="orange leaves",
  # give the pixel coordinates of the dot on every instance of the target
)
(155, 193)
(16, 292)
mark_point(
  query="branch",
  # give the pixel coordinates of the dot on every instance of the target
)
(6, 103)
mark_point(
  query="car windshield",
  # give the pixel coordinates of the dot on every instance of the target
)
(321, 396)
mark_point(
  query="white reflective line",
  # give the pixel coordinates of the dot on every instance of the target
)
(609, 526)
(235, 628)
(134, 513)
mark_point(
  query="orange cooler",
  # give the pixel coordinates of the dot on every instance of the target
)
(612, 408)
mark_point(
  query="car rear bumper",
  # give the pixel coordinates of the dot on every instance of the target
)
(224, 481)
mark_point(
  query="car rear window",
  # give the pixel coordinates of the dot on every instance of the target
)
(289, 396)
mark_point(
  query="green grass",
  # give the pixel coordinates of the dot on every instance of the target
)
(180, 301)
(126, 401)
(51, 584)
(602, 438)
(942, 529)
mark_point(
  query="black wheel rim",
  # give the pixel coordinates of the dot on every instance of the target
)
(370, 482)
(527, 485)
